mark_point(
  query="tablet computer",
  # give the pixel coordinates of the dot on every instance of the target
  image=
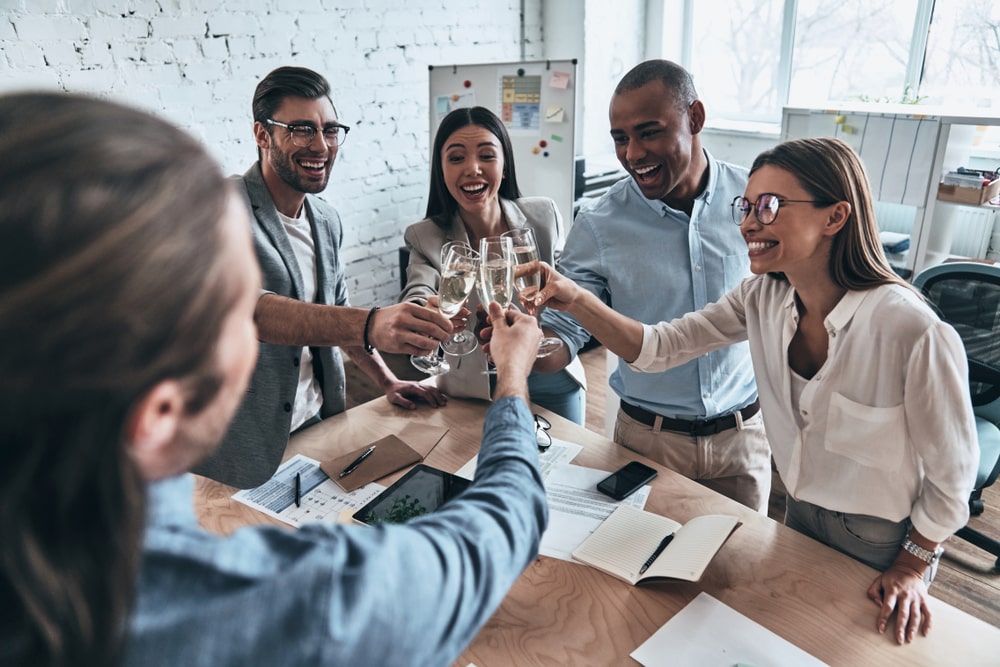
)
(420, 491)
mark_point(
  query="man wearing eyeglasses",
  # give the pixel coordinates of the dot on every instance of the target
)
(657, 245)
(303, 314)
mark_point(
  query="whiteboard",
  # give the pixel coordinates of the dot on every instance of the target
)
(537, 102)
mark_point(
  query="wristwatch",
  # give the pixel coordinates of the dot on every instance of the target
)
(926, 555)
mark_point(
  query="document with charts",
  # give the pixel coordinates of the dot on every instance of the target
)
(320, 500)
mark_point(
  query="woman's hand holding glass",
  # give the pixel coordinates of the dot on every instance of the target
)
(557, 291)
(527, 278)
(458, 278)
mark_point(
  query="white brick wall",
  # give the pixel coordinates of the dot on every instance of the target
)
(196, 62)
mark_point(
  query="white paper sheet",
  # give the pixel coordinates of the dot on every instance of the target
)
(560, 452)
(577, 508)
(707, 633)
(321, 500)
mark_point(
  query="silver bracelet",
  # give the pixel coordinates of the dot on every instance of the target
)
(926, 555)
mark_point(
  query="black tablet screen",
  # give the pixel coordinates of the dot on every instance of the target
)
(420, 491)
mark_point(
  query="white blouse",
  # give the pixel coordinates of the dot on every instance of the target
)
(884, 428)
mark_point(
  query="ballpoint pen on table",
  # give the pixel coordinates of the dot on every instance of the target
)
(659, 549)
(298, 489)
(356, 462)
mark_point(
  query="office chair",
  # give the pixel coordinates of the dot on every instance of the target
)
(967, 296)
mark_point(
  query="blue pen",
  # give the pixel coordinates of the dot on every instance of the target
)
(659, 549)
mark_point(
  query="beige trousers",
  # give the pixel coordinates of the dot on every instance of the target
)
(735, 462)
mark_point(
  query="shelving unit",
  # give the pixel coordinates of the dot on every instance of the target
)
(906, 149)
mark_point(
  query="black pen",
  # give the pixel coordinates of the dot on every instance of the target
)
(298, 490)
(663, 545)
(356, 462)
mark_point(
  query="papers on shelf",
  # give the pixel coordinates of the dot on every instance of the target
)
(708, 633)
(321, 500)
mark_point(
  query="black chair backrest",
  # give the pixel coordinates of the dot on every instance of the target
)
(970, 302)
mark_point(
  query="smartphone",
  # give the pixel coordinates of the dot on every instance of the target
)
(626, 480)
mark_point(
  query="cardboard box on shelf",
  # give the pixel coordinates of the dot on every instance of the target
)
(974, 196)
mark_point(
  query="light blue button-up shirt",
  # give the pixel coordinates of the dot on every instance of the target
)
(654, 263)
(412, 594)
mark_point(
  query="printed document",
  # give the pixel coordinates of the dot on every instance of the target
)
(577, 508)
(320, 499)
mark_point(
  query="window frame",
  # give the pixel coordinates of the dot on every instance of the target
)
(668, 9)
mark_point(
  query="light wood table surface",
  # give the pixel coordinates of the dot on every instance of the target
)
(561, 613)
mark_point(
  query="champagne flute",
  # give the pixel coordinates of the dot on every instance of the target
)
(457, 284)
(496, 275)
(524, 255)
(496, 271)
(458, 279)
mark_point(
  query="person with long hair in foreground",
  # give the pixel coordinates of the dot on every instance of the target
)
(127, 292)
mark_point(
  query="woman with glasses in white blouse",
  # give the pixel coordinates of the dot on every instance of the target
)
(864, 390)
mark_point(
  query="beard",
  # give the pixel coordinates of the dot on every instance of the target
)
(284, 167)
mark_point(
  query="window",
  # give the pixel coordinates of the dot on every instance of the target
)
(751, 57)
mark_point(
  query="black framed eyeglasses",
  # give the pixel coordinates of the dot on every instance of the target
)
(303, 134)
(766, 207)
(542, 426)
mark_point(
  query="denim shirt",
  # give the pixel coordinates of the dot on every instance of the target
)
(413, 594)
(654, 263)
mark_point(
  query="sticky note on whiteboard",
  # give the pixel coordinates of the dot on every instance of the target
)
(555, 114)
(559, 80)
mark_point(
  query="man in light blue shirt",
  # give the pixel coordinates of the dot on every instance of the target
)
(412, 594)
(657, 245)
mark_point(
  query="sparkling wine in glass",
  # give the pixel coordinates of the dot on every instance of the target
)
(458, 279)
(524, 255)
(496, 272)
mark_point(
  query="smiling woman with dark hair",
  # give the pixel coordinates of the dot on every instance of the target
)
(473, 195)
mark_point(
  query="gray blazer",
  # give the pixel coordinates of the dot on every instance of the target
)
(256, 441)
(424, 240)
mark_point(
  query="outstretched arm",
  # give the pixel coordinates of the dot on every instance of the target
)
(622, 335)
(512, 346)
(404, 328)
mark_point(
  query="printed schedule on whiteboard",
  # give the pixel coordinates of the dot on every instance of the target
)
(521, 102)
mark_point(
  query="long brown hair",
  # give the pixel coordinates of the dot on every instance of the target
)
(831, 171)
(109, 230)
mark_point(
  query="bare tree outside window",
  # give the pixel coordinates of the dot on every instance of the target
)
(842, 52)
(735, 51)
(850, 50)
(962, 66)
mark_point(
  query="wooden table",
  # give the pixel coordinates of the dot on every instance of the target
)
(561, 613)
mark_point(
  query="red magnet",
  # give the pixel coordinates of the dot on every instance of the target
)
(543, 143)
(467, 84)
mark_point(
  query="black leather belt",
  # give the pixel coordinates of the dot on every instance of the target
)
(693, 427)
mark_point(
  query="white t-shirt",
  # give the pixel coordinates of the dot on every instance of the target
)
(308, 397)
